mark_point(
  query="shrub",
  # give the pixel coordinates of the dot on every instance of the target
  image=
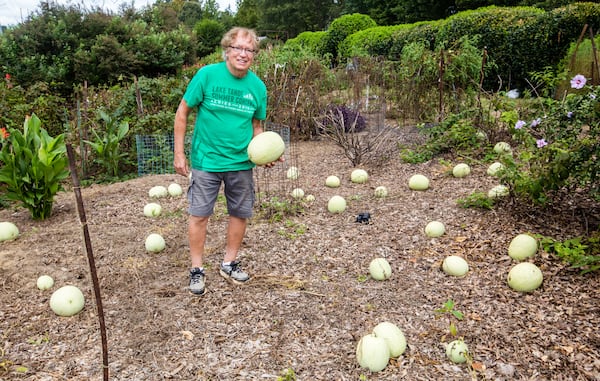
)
(313, 42)
(509, 34)
(342, 27)
(456, 134)
(344, 125)
(344, 118)
(375, 41)
(419, 79)
(558, 150)
(12, 103)
(424, 33)
(580, 252)
(209, 33)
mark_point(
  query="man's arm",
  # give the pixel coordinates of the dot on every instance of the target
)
(179, 130)
(257, 127)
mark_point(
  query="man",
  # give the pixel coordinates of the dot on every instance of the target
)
(231, 102)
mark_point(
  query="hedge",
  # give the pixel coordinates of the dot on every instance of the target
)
(518, 40)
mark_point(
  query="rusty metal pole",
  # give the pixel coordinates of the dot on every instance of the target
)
(91, 261)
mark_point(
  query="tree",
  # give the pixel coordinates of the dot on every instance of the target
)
(383, 12)
(190, 13)
(248, 13)
(294, 17)
(424, 10)
(208, 33)
(60, 47)
(211, 9)
(104, 61)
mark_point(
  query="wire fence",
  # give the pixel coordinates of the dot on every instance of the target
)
(155, 153)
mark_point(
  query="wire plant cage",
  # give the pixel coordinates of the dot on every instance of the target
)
(155, 156)
(273, 183)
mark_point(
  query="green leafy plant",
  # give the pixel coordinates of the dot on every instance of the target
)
(275, 209)
(581, 252)
(33, 166)
(476, 200)
(287, 375)
(415, 156)
(37, 340)
(107, 144)
(449, 311)
(291, 229)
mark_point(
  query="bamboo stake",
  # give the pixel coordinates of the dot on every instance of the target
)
(574, 56)
(442, 66)
(91, 261)
(596, 65)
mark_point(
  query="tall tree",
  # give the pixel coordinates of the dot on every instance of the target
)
(291, 17)
(383, 12)
(190, 13)
(248, 13)
(424, 10)
(210, 8)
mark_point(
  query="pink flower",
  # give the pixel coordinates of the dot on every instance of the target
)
(541, 143)
(520, 124)
(7, 77)
(578, 81)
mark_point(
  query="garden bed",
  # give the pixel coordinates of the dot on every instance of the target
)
(310, 299)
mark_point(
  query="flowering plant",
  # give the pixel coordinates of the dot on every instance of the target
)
(559, 149)
(33, 166)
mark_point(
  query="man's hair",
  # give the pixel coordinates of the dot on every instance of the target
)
(236, 32)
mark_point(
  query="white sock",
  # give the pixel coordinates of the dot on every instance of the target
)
(226, 263)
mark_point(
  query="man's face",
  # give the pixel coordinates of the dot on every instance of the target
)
(240, 55)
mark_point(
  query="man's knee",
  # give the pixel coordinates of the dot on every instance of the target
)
(199, 221)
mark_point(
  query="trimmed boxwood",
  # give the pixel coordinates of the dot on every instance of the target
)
(312, 41)
(376, 41)
(342, 27)
(500, 31)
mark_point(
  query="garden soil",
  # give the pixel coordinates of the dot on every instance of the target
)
(311, 297)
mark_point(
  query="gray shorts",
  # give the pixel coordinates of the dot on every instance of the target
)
(204, 189)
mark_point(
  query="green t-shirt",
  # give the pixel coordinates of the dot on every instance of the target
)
(226, 105)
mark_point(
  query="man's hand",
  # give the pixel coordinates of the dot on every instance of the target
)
(181, 165)
(272, 164)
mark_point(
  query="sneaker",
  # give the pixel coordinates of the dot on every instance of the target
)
(234, 272)
(197, 281)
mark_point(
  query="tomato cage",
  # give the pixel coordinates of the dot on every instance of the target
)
(155, 156)
(274, 185)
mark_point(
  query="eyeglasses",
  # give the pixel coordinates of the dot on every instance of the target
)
(240, 50)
